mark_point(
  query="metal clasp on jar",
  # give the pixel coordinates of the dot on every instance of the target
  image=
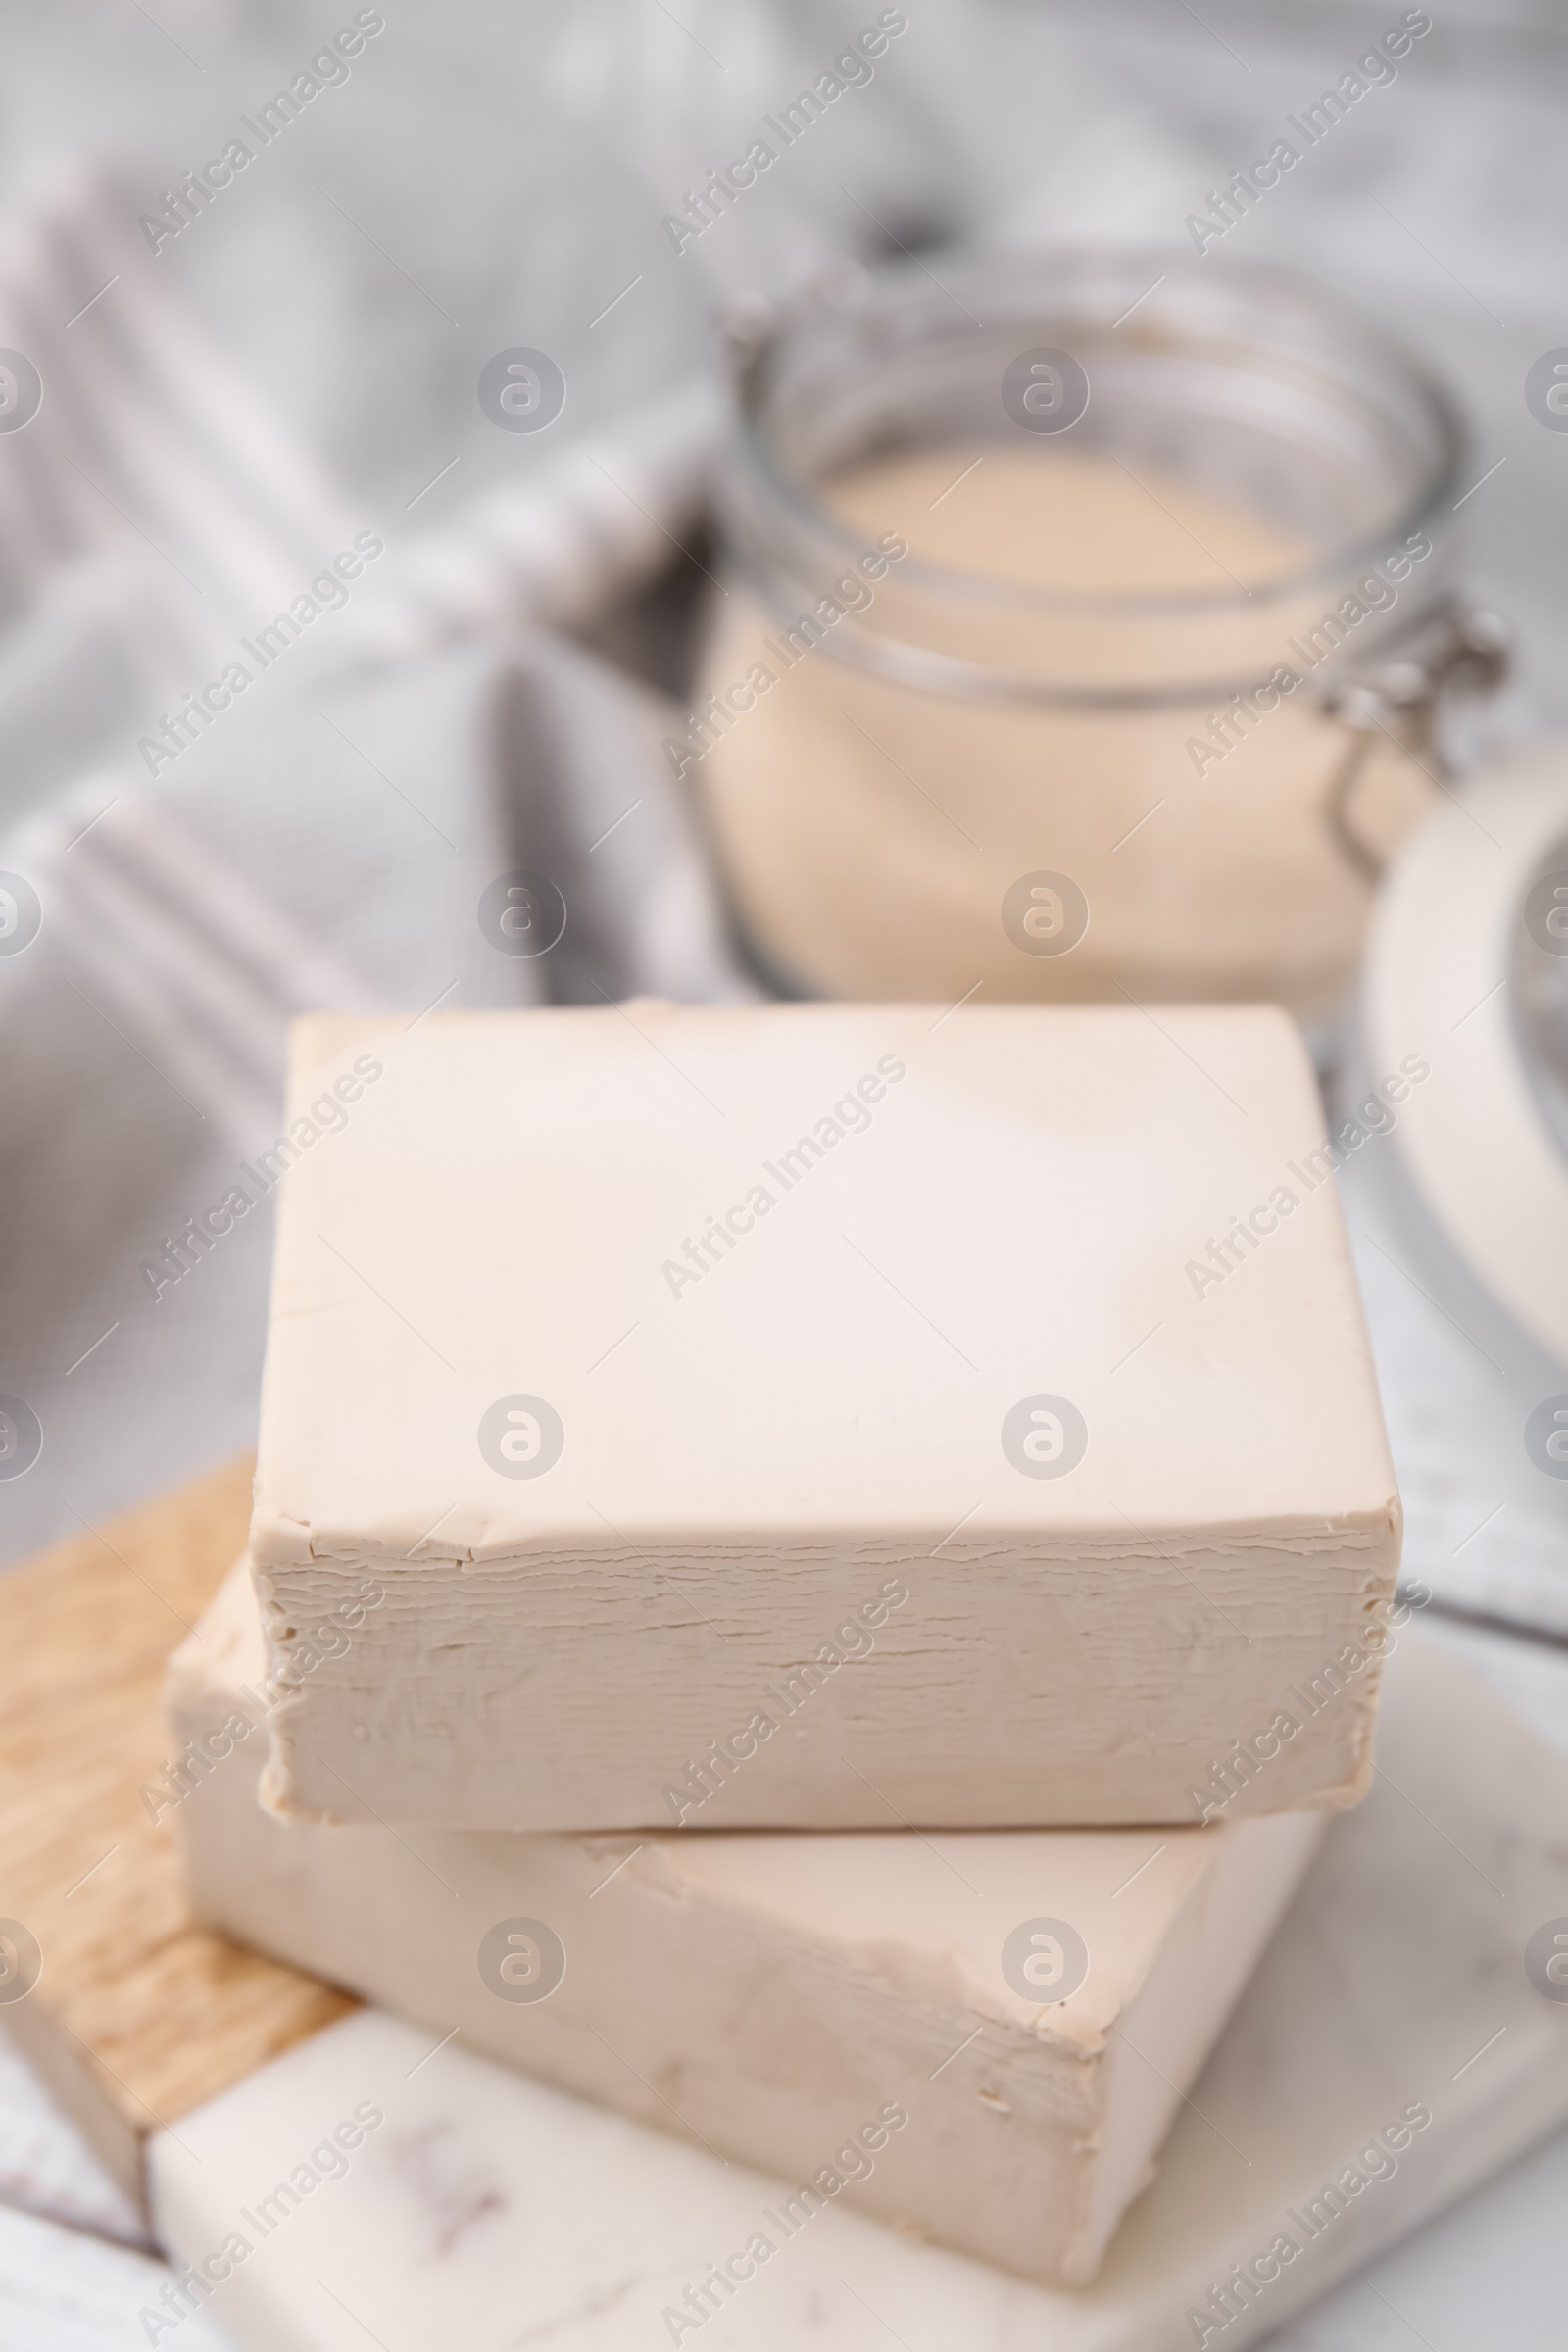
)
(1457, 649)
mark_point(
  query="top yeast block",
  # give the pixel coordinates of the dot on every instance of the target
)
(816, 1416)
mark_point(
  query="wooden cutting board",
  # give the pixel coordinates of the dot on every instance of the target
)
(137, 2015)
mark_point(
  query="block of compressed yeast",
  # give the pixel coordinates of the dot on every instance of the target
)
(816, 1416)
(1041, 2000)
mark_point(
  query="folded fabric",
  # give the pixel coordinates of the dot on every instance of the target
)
(325, 852)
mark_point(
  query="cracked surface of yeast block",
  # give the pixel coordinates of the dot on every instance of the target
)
(776, 1996)
(821, 1416)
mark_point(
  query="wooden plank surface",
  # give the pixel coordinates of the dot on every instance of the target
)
(137, 2015)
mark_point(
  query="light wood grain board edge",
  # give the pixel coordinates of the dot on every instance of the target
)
(138, 2014)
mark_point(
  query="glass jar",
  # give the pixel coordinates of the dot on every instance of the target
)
(990, 752)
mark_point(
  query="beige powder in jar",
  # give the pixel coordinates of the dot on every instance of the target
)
(871, 830)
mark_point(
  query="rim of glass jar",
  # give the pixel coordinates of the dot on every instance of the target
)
(1046, 280)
